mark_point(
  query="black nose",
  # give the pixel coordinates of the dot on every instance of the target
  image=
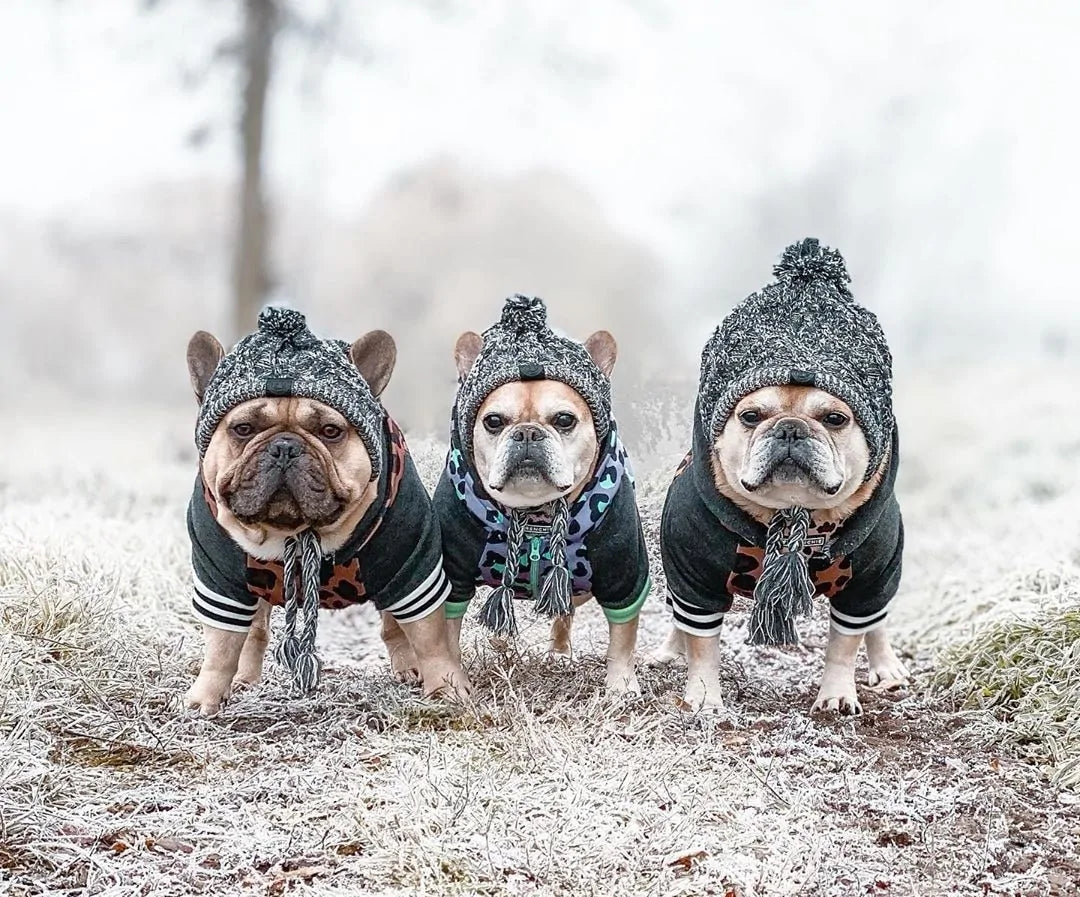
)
(528, 433)
(790, 428)
(285, 448)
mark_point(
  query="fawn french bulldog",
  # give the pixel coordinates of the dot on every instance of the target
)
(537, 498)
(307, 497)
(787, 493)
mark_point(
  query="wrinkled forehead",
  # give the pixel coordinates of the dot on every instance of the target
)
(534, 400)
(269, 412)
(808, 401)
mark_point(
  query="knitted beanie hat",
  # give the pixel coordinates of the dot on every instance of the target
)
(284, 358)
(804, 328)
(521, 346)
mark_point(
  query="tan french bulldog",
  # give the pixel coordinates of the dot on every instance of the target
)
(794, 446)
(534, 443)
(276, 466)
(788, 492)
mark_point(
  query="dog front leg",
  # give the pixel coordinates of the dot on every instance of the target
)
(250, 668)
(622, 640)
(673, 649)
(453, 637)
(703, 672)
(403, 663)
(887, 671)
(837, 691)
(559, 644)
(221, 657)
(440, 673)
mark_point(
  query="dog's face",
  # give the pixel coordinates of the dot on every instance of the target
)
(535, 441)
(786, 446)
(278, 465)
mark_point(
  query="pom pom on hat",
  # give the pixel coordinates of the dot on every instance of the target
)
(524, 314)
(808, 261)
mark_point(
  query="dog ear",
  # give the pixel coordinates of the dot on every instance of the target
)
(375, 355)
(602, 350)
(466, 349)
(204, 353)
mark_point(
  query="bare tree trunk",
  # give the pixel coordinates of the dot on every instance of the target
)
(251, 274)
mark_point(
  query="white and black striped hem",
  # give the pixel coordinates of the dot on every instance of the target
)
(220, 612)
(425, 599)
(846, 624)
(690, 618)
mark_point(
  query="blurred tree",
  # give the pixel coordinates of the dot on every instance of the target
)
(251, 266)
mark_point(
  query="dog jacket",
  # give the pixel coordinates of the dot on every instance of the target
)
(393, 558)
(713, 550)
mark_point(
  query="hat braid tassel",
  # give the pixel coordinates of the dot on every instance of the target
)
(497, 614)
(288, 649)
(308, 668)
(555, 594)
(297, 652)
(784, 590)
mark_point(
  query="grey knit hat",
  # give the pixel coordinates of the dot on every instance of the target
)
(804, 328)
(521, 346)
(284, 358)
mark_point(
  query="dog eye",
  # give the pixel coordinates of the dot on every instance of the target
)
(243, 431)
(331, 433)
(834, 419)
(564, 421)
(750, 418)
(493, 422)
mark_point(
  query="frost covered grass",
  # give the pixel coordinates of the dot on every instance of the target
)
(540, 785)
(1026, 675)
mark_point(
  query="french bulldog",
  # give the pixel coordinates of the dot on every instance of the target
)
(788, 492)
(535, 442)
(279, 465)
(794, 446)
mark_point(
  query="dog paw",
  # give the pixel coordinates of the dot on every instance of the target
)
(622, 683)
(843, 702)
(446, 680)
(888, 676)
(662, 656)
(403, 663)
(246, 676)
(209, 694)
(701, 696)
(560, 651)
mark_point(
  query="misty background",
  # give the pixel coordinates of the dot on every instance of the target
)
(638, 163)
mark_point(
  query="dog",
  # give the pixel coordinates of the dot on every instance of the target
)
(788, 492)
(536, 473)
(307, 496)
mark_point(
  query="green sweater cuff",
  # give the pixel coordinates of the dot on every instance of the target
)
(625, 614)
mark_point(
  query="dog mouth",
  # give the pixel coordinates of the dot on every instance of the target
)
(527, 472)
(287, 498)
(790, 467)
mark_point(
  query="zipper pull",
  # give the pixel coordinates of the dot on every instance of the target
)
(534, 552)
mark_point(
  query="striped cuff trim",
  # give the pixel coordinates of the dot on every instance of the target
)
(689, 619)
(425, 599)
(247, 604)
(869, 625)
(847, 624)
(219, 621)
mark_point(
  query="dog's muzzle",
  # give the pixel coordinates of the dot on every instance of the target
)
(790, 444)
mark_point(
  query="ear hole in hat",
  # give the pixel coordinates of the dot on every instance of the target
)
(375, 355)
(466, 349)
(204, 354)
(603, 350)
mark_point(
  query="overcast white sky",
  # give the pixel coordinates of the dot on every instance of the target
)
(674, 114)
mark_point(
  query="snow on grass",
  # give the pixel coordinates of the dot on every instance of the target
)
(540, 784)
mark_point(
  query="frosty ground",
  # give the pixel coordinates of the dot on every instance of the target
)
(540, 785)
